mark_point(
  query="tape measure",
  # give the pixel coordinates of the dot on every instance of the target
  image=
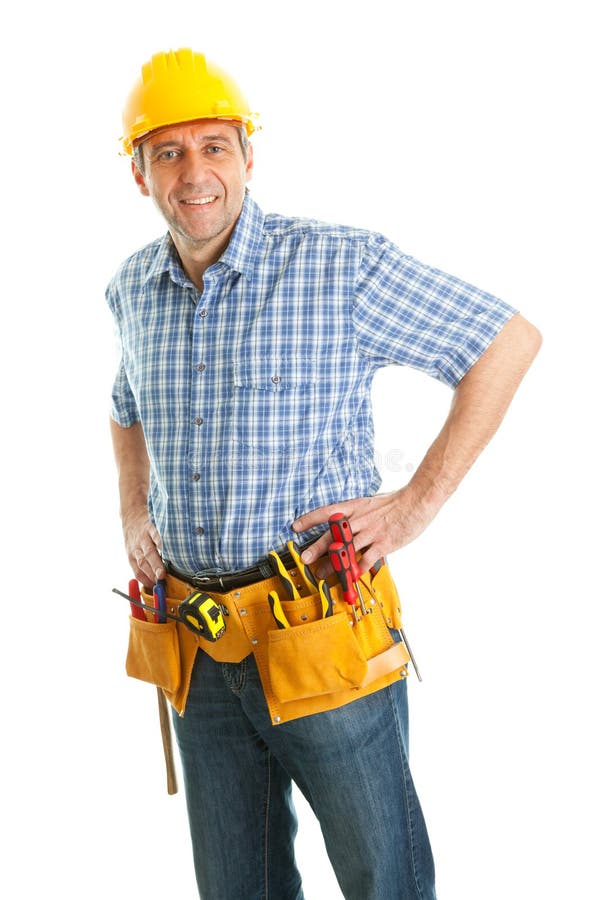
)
(203, 616)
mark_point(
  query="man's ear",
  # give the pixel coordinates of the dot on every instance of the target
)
(249, 163)
(139, 179)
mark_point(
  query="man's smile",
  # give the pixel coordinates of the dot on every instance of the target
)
(201, 201)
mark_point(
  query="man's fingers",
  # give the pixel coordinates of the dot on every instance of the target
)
(155, 537)
(319, 516)
(142, 573)
(316, 550)
(369, 558)
(147, 565)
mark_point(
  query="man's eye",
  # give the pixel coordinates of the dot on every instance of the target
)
(214, 149)
(168, 154)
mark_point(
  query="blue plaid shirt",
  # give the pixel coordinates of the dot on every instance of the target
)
(254, 395)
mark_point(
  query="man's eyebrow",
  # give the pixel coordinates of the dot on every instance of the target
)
(205, 138)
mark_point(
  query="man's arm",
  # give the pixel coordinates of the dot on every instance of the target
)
(386, 522)
(142, 540)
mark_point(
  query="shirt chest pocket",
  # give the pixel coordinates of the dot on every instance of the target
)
(275, 404)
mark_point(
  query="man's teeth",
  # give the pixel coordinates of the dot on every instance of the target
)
(201, 201)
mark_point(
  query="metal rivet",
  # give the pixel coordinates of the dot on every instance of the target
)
(372, 602)
(304, 617)
(255, 641)
(237, 594)
(242, 612)
(389, 621)
(277, 719)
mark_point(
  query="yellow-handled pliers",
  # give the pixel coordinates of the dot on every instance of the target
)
(290, 588)
(277, 611)
(326, 600)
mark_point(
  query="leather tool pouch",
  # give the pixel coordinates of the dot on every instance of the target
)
(313, 659)
(153, 654)
(320, 664)
(315, 665)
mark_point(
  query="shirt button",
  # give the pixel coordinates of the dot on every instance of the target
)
(203, 313)
(198, 420)
(196, 476)
(200, 367)
(276, 379)
(199, 530)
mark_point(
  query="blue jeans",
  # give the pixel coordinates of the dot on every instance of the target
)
(350, 763)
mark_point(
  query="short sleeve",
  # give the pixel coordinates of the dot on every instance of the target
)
(124, 409)
(408, 313)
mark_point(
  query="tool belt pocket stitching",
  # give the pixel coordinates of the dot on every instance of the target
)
(153, 653)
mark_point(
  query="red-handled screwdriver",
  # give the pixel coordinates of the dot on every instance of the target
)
(340, 560)
(341, 531)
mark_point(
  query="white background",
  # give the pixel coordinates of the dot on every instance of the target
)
(466, 132)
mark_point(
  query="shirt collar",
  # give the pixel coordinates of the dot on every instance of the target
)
(245, 239)
(239, 254)
(166, 259)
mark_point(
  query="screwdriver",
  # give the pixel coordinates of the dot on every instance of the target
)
(340, 561)
(374, 570)
(341, 531)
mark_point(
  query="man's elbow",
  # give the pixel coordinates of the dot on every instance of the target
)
(508, 357)
(528, 337)
(517, 344)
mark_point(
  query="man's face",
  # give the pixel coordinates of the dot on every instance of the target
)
(196, 174)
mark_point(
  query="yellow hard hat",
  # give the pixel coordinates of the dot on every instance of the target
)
(181, 86)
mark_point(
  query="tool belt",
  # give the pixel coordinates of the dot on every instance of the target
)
(315, 665)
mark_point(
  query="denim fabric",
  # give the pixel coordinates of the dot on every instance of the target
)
(350, 763)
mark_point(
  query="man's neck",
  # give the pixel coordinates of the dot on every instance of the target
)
(196, 258)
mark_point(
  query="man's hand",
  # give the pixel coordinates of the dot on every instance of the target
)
(143, 546)
(142, 540)
(380, 525)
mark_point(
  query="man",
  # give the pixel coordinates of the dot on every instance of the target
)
(241, 421)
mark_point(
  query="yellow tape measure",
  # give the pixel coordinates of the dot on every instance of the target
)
(201, 614)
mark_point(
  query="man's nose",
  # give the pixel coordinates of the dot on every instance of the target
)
(195, 167)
